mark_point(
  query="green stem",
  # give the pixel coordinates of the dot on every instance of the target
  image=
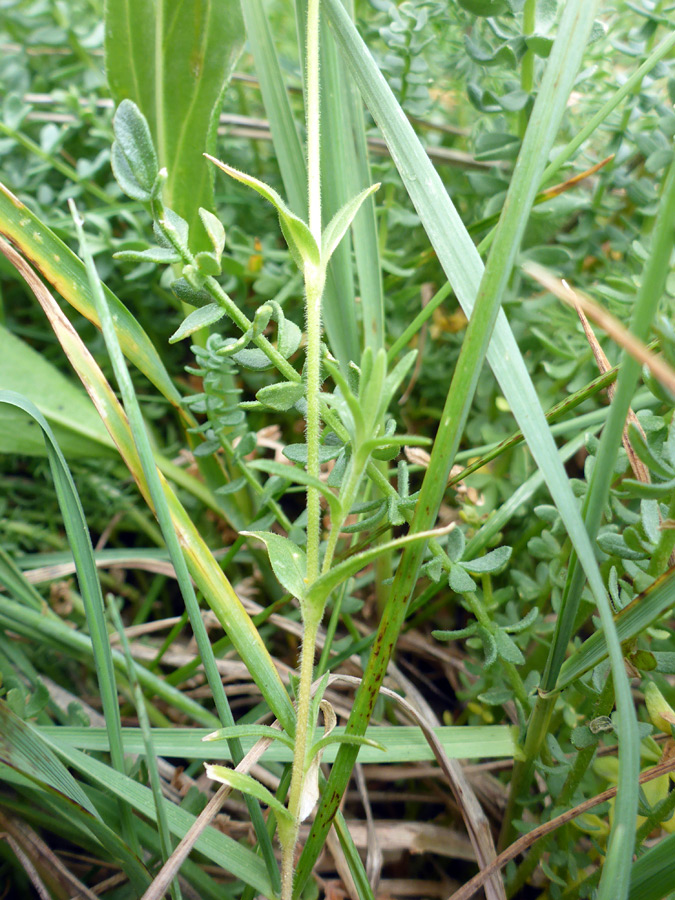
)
(303, 728)
(314, 283)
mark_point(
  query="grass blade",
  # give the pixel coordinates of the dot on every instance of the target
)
(90, 588)
(174, 60)
(218, 847)
(403, 743)
(149, 755)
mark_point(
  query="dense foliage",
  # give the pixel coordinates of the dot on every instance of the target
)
(277, 464)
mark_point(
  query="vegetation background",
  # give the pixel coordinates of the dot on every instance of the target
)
(529, 635)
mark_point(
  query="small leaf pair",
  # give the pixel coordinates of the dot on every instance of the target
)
(301, 242)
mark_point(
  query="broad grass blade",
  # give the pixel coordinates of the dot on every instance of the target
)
(174, 60)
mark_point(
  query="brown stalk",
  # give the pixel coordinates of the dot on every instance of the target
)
(640, 470)
(659, 368)
(527, 840)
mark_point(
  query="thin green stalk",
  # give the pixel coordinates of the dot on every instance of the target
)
(314, 282)
(142, 442)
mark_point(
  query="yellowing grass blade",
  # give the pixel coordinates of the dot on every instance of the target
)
(204, 569)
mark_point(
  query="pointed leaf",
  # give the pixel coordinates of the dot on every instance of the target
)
(288, 561)
(133, 138)
(493, 561)
(246, 731)
(200, 318)
(296, 232)
(459, 580)
(338, 225)
(215, 230)
(165, 255)
(125, 177)
(507, 648)
(247, 785)
(319, 591)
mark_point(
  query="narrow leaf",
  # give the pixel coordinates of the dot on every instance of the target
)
(338, 225)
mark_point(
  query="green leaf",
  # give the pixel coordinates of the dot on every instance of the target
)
(404, 743)
(653, 874)
(355, 739)
(507, 648)
(22, 748)
(200, 318)
(633, 619)
(59, 265)
(494, 561)
(77, 426)
(248, 785)
(125, 177)
(338, 225)
(282, 396)
(163, 255)
(298, 236)
(485, 7)
(288, 561)
(134, 142)
(174, 61)
(216, 846)
(459, 579)
(208, 263)
(298, 452)
(318, 593)
(215, 230)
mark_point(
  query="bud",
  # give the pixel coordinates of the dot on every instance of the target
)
(660, 711)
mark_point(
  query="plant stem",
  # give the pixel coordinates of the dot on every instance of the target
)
(303, 728)
(314, 282)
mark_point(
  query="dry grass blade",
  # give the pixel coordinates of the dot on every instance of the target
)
(567, 185)
(476, 821)
(656, 365)
(170, 869)
(374, 856)
(34, 854)
(527, 840)
(640, 470)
